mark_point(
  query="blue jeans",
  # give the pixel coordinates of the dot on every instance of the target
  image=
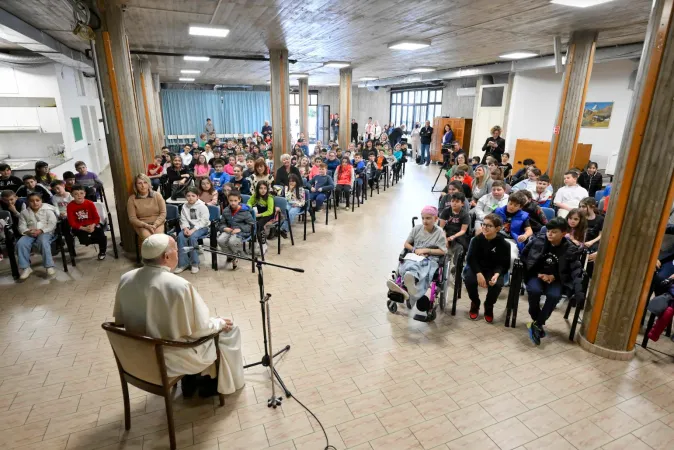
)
(318, 197)
(426, 153)
(185, 259)
(553, 293)
(43, 242)
(293, 212)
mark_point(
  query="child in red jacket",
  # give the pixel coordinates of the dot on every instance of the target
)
(85, 221)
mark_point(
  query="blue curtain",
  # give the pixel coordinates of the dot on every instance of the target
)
(185, 111)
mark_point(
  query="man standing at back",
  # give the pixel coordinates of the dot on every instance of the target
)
(154, 302)
(425, 135)
(335, 127)
(209, 128)
(354, 130)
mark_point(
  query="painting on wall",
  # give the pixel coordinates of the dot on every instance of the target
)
(597, 114)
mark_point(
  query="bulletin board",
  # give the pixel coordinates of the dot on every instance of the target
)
(77, 128)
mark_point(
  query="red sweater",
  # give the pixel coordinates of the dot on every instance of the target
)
(83, 214)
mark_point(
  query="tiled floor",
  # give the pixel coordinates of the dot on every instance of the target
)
(376, 380)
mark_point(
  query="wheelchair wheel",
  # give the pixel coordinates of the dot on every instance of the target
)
(432, 314)
(442, 296)
(392, 306)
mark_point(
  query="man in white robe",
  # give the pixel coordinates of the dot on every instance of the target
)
(154, 302)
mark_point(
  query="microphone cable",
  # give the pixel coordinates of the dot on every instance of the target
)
(328, 446)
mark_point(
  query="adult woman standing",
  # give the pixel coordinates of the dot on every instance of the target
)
(494, 145)
(448, 136)
(416, 140)
(146, 208)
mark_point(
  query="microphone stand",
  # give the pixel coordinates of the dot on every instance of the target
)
(268, 358)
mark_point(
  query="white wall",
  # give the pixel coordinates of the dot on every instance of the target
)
(535, 103)
(452, 104)
(364, 103)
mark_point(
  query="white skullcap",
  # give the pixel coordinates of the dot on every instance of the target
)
(154, 245)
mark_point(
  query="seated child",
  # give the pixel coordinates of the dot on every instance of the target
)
(240, 183)
(321, 186)
(445, 199)
(372, 171)
(591, 179)
(36, 226)
(31, 186)
(460, 176)
(219, 177)
(263, 203)
(505, 165)
(516, 226)
(455, 222)
(250, 167)
(195, 221)
(207, 192)
(569, 196)
(551, 264)
(344, 178)
(7, 180)
(474, 162)
(488, 204)
(10, 202)
(42, 174)
(295, 196)
(89, 180)
(577, 227)
(84, 221)
(426, 240)
(382, 161)
(315, 167)
(69, 179)
(521, 174)
(359, 171)
(229, 168)
(595, 224)
(537, 218)
(235, 226)
(487, 261)
(543, 193)
(61, 198)
(155, 171)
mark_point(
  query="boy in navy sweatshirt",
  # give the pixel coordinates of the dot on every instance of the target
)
(321, 186)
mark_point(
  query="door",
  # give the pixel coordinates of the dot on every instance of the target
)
(323, 124)
(491, 111)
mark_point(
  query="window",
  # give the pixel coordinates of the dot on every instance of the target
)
(415, 105)
(311, 113)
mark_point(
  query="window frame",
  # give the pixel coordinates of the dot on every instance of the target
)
(401, 112)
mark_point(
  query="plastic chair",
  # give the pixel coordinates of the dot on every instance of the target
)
(513, 301)
(303, 214)
(599, 195)
(549, 213)
(141, 363)
(253, 235)
(214, 217)
(282, 204)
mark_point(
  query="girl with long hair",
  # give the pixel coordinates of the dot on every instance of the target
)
(577, 226)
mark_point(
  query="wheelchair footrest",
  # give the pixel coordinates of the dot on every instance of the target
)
(396, 297)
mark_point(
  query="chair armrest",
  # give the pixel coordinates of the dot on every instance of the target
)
(119, 329)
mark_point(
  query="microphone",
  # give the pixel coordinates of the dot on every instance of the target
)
(189, 249)
(244, 257)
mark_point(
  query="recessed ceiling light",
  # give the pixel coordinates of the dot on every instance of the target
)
(580, 3)
(202, 30)
(190, 71)
(299, 75)
(368, 78)
(408, 44)
(186, 79)
(196, 58)
(337, 64)
(423, 69)
(522, 54)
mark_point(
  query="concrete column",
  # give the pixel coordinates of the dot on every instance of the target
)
(579, 60)
(159, 115)
(149, 106)
(144, 124)
(345, 80)
(630, 240)
(123, 138)
(280, 101)
(304, 107)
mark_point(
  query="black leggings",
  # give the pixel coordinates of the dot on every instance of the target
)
(261, 222)
(97, 237)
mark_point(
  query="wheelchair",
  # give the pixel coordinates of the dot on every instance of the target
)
(427, 305)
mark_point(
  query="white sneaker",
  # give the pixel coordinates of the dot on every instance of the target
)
(179, 269)
(50, 271)
(264, 249)
(346, 207)
(410, 284)
(26, 273)
(395, 288)
(194, 269)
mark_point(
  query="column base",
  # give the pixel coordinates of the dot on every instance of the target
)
(605, 352)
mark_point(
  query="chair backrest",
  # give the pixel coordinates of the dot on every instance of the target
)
(102, 212)
(172, 212)
(6, 216)
(245, 198)
(213, 212)
(599, 195)
(549, 213)
(136, 354)
(281, 202)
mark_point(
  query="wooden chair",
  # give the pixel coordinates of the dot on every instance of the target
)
(140, 360)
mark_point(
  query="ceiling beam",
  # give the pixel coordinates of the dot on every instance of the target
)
(232, 57)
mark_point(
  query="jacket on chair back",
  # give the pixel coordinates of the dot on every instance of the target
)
(570, 270)
(516, 224)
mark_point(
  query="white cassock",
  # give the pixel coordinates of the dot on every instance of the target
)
(154, 302)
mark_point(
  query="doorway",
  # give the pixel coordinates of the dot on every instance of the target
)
(491, 111)
(323, 123)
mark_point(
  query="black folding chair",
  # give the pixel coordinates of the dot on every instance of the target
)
(9, 243)
(512, 304)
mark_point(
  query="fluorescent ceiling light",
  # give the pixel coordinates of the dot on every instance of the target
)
(580, 3)
(196, 58)
(299, 75)
(368, 78)
(201, 30)
(186, 79)
(337, 64)
(519, 55)
(423, 69)
(408, 44)
(190, 71)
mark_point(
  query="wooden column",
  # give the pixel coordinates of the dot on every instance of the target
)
(144, 124)
(159, 115)
(345, 78)
(579, 60)
(123, 138)
(304, 107)
(639, 207)
(280, 101)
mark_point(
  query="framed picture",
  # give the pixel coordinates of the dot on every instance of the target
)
(597, 114)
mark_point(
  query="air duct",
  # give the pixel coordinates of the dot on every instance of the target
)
(601, 55)
(23, 60)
